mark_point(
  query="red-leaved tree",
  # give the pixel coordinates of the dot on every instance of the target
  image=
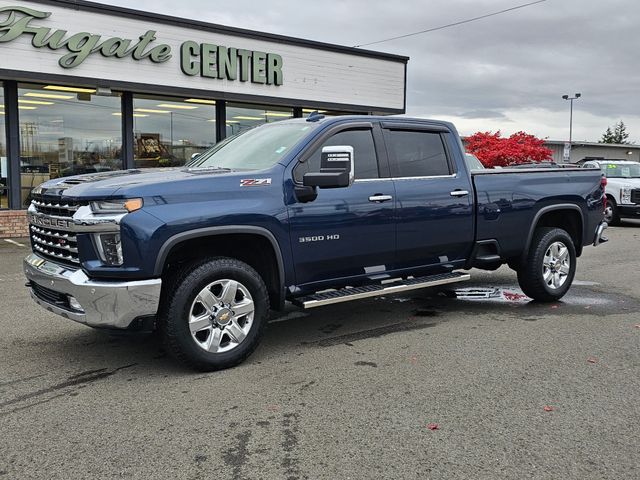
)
(495, 151)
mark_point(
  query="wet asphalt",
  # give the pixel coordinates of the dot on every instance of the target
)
(473, 381)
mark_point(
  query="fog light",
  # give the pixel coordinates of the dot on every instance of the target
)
(110, 248)
(73, 303)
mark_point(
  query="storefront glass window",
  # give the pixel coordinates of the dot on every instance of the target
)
(241, 117)
(168, 131)
(4, 185)
(66, 131)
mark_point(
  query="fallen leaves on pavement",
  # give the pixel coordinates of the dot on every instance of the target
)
(513, 296)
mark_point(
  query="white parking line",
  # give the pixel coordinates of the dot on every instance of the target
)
(14, 242)
(290, 316)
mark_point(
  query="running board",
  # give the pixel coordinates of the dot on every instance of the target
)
(356, 293)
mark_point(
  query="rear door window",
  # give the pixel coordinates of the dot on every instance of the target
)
(417, 153)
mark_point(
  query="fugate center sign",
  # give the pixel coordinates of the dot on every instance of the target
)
(196, 59)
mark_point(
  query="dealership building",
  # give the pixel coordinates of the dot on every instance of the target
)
(583, 151)
(86, 88)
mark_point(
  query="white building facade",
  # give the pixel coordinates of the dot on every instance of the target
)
(86, 87)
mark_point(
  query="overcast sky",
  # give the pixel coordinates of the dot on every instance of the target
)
(506, 72)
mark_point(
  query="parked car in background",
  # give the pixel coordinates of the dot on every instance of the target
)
(623, 188)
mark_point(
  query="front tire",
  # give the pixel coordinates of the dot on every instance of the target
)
(612, 213)
(215, 313)
(550, 266)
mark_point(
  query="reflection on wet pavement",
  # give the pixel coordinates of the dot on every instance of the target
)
(492, 293)
(582, 296)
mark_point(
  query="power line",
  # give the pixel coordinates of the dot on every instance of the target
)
(452, 24)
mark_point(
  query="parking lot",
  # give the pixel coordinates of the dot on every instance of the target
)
(471, 382)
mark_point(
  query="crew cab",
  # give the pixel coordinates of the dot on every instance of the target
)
(623, 188)
(313, 211)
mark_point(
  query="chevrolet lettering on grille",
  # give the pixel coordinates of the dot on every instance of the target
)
(50, 222)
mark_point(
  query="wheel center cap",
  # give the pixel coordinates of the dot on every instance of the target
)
(223, 316)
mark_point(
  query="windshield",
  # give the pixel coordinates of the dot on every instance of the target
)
(621, 170)
(255, 149)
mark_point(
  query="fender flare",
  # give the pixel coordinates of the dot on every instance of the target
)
(547, 209)
(225, 230)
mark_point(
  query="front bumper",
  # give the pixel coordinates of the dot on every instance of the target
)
(630, 211)
(104, 304)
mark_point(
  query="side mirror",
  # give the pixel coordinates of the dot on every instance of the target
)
(194, 156)
(336, 169)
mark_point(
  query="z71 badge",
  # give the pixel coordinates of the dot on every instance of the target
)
(255, 182)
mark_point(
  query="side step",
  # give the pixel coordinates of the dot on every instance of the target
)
(356, 293)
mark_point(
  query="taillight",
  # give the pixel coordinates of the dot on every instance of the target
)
(603, 184)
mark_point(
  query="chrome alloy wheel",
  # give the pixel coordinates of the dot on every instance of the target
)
(608, 214)
(221, 316)
(556, 265)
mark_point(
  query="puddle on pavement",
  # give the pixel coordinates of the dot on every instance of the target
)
(579, 299)
(513, 295)
(500, 301)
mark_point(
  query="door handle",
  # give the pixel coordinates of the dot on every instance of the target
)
(459, 193)
(378, 197)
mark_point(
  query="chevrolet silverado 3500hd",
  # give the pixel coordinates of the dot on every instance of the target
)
(313, 211)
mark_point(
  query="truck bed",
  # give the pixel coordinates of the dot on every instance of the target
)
(508, 201)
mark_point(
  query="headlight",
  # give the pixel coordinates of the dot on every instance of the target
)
(625, 195)
(109, 248)
(116, 206)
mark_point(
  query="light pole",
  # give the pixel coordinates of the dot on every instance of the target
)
(571, 99)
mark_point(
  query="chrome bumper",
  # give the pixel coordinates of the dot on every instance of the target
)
(600, 238)
(103, 304)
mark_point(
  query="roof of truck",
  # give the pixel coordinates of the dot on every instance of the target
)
(321, 118)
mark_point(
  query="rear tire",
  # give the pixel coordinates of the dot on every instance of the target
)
(215, 313)
(550, 266)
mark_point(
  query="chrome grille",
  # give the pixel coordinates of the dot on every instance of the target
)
(56, 244)
(635, 196)
(59, 209)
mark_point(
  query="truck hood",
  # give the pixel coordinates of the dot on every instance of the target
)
(121, 182)
(619, 182)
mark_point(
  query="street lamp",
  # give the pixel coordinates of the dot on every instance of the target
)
(571, 99)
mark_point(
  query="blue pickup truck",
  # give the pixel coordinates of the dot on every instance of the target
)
(313, 211)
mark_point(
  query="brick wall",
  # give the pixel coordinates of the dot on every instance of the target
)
(13, 224)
